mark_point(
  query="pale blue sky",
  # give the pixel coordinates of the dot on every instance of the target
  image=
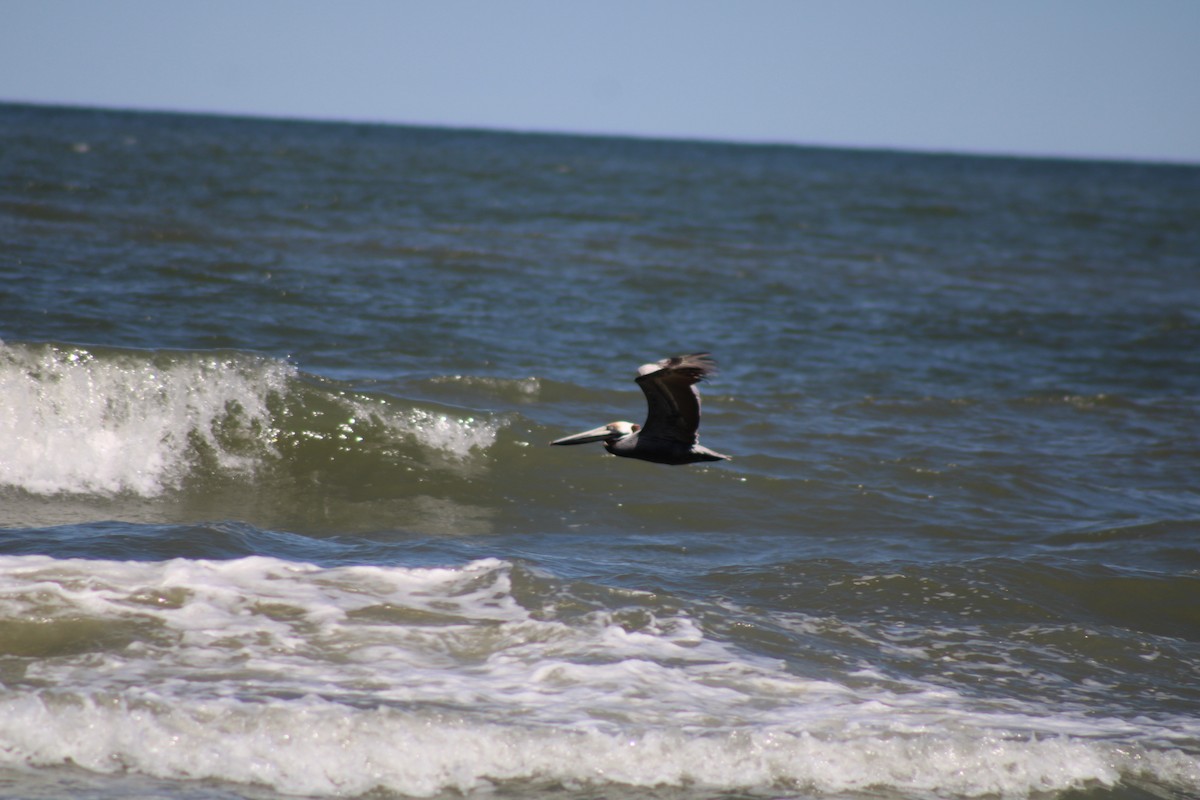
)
(1048, 77)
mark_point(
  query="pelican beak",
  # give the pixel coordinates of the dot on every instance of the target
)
(594, 435)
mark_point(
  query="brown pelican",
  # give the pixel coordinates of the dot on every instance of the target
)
(669, 435)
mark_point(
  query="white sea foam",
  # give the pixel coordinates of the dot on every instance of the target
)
(73, 421)
(315, 747)
(454, 436)
(125, 422)
(338, 681)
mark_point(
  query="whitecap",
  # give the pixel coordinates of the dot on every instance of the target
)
(338, 681)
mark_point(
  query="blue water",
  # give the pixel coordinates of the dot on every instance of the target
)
(278, 514)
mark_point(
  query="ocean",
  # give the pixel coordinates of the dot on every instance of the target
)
(279, 516)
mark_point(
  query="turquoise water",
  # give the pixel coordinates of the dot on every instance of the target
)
(279, 514)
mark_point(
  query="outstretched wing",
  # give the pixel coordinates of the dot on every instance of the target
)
(671, 397)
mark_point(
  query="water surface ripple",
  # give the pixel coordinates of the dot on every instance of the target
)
(278, 516)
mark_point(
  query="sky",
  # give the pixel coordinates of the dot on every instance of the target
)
(1076, 78)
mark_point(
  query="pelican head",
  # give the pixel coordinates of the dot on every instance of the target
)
(612, 432)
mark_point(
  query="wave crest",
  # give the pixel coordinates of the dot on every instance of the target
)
(104, 421)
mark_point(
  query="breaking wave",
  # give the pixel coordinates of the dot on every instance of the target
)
(342, 681)
(103, 421)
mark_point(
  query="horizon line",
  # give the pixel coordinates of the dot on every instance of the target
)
(650, 137)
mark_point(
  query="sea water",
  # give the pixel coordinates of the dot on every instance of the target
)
(278, 514)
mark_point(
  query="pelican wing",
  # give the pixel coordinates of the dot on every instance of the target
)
(673, 402)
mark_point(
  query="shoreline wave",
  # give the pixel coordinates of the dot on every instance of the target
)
(422, 680)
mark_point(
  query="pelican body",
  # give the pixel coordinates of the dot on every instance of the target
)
(670, 433)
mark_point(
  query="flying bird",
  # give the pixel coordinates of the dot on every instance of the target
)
(669, 434)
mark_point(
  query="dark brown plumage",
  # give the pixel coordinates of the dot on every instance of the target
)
(670, 434)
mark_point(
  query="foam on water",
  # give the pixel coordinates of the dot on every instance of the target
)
(338, 681)
(106, 422)
(75, 422)
(314, 747)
